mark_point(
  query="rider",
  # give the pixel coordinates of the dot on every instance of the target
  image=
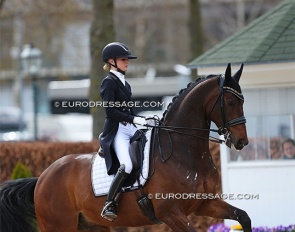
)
(119, 123)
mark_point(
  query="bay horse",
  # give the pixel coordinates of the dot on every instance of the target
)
(62, 198)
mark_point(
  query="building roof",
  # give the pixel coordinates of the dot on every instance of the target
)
(269, 38)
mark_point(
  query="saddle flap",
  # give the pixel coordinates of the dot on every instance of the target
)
(136, 150)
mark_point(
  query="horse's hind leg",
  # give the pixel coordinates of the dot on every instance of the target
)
(178, 222)
(218, 208)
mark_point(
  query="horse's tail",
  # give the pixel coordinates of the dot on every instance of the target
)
(17, 212)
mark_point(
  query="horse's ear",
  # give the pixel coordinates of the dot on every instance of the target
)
(238, 74)
(228, 71)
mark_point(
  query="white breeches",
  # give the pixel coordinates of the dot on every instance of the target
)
(122, 143)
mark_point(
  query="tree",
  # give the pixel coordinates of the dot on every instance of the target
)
(1, 4)
(196, 32)
(195, 28)
(101, 33)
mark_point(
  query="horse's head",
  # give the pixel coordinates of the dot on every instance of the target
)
(227, 111)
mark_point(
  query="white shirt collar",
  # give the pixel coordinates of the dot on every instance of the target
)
(119, 75)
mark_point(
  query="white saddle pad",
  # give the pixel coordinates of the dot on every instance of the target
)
(101, 181)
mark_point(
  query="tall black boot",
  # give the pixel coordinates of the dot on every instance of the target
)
(109, 211)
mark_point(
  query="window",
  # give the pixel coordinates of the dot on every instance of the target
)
(265, 134)
(270, 114)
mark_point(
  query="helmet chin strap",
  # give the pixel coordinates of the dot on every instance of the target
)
(116, 66)
(121, 71)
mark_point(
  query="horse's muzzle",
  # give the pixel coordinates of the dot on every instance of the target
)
(241, 144)
(232, 143)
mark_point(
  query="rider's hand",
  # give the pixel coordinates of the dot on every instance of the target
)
(139, 121)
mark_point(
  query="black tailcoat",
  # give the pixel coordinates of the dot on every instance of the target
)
(116, 96)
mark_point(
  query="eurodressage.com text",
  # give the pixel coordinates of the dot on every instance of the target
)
(106, 104)
(203, 196)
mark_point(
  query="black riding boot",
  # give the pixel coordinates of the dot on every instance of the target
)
(109, 211)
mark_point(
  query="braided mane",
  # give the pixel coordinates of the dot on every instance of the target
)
(186, 90)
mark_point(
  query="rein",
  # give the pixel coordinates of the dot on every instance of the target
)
(176, 130)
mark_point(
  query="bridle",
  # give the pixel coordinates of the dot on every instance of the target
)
(223, 130)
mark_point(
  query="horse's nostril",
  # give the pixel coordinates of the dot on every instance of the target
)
(246, 142)
(243, 142)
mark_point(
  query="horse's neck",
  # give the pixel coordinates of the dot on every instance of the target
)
(191, 150)
(190, 110)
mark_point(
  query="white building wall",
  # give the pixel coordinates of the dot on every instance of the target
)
(271, 183)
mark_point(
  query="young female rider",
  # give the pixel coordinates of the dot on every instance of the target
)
(119, 123)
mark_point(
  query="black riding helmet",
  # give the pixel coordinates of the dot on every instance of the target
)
(116, 50)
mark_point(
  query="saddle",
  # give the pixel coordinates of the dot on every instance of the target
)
(136, 151)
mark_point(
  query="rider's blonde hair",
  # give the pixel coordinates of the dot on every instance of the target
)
(107, 67)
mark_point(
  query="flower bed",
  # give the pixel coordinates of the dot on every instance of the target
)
(223, 228)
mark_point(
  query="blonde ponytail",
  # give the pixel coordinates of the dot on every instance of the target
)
(107, 67)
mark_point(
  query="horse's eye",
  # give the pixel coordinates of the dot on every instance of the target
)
(230, 102)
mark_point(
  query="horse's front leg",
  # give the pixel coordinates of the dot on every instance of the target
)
(178, 222)
(218, 208)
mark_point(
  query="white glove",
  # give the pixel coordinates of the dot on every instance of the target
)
(139, 121)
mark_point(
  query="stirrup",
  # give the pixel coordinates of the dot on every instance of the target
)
(103, 215)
